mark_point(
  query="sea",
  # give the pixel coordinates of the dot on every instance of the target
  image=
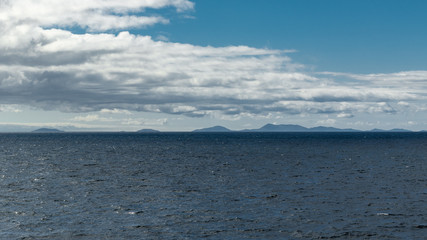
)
(358, 185)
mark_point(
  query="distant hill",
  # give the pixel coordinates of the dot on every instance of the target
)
(47, 130)
(213, 129)
(331, 129)
(399, 130)
(148, 131)
(280, 128)
(391, 130)
(296, 128)
(377, 130)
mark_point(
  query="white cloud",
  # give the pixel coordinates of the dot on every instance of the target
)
(415, 81)
(412, 123)
(162, 38)
(142, 122)
(116, 111)
(327, 122)
(91, 118)
(95, 15)
(44, 65)
(387, 77)
(345, 115)
(95, 120)
(12, 108)
(404, 104)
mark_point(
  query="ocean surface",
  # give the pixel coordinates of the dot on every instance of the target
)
(213, 186)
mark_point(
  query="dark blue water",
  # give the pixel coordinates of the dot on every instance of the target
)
(213, 186)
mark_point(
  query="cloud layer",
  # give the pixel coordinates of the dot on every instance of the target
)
(94, 15)
(44, 65)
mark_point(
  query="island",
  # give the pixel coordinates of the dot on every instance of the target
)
(213, 129)
(148, 131)
(47, 130)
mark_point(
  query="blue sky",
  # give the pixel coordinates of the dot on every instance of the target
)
(179, 64)
(363, 36)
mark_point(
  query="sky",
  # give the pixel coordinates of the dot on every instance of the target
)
(180, 65)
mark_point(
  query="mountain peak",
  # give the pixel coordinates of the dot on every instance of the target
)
(47, 130)
(213, 129)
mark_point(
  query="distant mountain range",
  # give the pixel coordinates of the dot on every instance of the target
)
(293, 128)
(265, 128)
(296, 128)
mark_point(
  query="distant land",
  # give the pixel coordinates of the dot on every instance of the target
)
(47, 130)
(266, 128)
(391, 130)
(148, 131)
(214, 129)
(294, 128)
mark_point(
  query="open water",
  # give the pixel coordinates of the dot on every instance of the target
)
(213, 186)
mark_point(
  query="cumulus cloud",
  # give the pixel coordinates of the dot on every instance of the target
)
(91, 118)
(95, 15)
(327, 122)
(115, 111)
(45, 65)
(345, 115)
(10, 108)
(115, 121)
